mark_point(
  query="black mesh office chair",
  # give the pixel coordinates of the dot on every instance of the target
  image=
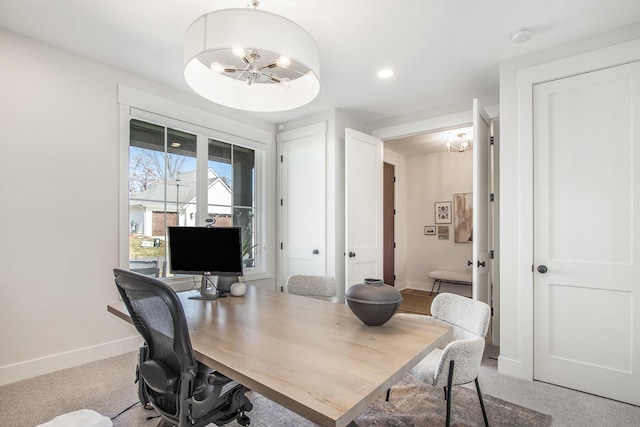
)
(183, 391)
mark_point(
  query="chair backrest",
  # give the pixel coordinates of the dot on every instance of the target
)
(158, 316)
(470, 321)
(320, 287)
(148, 268)
(468, 314)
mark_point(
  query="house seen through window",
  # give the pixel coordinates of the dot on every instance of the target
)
(164, 190)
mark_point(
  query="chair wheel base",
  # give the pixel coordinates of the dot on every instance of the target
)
(243, 420)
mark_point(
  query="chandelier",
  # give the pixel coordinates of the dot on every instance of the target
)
(251, 60)
(460, 145)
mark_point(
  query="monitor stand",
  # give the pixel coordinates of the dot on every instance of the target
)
(208, 292)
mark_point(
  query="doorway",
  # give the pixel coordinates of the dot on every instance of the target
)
(401, 144)
(426, 174)
(388, 219)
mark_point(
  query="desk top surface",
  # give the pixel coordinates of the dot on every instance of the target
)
(313, 357)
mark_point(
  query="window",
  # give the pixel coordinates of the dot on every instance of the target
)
(184, 178)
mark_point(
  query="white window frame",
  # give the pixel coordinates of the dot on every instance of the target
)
(139, 105)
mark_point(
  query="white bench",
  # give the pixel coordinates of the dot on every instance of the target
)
(443, 276)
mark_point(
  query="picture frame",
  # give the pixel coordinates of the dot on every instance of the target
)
(430, 230)
(463, 217)
(442, 212)
(443, 232)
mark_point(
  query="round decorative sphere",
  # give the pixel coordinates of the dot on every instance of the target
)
(238, 289)
(373, 302)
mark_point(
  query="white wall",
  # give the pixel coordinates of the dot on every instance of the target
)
(434, 178)
(59, 185)
(516, 346)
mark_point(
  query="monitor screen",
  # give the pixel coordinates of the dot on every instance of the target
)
(205, 250)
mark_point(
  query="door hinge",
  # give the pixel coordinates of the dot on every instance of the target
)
(282, 290)
(492, 140)
(394, 179)
(491, 254)
(492, 311)
(492, 197)
(394, 245)
(281, 245)
(281, 202)
(281, 158)
(394, 211)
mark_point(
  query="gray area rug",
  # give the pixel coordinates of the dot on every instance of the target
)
(413, 403)
(107, 387)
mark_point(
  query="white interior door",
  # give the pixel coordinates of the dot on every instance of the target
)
(481, 178)
(363, 207)
(302, 154)
(587, 232)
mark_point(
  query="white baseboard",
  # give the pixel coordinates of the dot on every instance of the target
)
(56, 362)
(419, 286)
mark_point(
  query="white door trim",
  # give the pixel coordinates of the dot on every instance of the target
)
(526, 79)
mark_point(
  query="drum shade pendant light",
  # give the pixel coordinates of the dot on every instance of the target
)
(251, 60)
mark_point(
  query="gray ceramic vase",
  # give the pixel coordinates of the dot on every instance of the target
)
(373, 302)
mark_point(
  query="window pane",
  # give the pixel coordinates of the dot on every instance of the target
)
(234, 169)
(220, 163)
(244, 163)
(162, 191)
(245, 219)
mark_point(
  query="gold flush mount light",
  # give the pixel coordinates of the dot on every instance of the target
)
(251, 60)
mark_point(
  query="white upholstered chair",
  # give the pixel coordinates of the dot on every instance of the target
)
(318, 287)
(457, 362)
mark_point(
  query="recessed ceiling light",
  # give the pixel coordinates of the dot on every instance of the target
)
(522, 36)
(385, 74)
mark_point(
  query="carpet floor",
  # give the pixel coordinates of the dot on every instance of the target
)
(107, 387)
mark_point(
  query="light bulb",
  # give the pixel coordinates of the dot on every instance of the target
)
(239, 52)
(283, 62)
(285, 82)
(217, 67)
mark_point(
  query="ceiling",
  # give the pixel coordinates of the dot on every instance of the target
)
(428, 143)
(443, 52)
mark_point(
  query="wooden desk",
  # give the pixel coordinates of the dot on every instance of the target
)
(313, 357)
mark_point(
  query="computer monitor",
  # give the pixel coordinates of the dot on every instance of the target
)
(207, 251)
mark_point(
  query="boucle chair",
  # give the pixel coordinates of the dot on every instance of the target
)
(318, 287)
(459, 361)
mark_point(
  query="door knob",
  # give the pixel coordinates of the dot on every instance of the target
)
(481, 264)
(469, 263)
(316, 252)
(542, 269)
(352, 254)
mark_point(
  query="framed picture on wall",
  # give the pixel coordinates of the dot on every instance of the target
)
(443, 232)
(430, 230)
(443, 212)
(463, 217)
